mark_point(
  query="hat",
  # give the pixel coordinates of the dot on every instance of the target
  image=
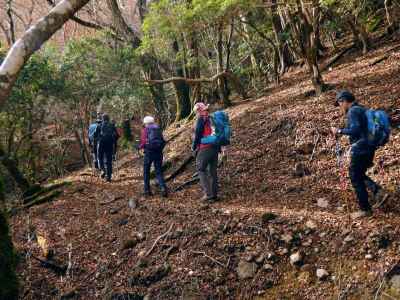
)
(200, 106)
(148, 120)
(344, 96)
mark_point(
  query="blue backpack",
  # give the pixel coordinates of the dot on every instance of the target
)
(92, 130)
(222, 130)
(378, 127)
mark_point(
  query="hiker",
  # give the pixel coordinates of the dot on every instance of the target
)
(362, 147)
(209, 139)
(152, 143)
(106, 135)
(93, 141)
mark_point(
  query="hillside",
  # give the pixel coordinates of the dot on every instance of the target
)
(121, 246)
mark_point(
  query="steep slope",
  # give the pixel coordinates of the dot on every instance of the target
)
(240, 247)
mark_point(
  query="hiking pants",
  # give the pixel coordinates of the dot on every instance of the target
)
(207, 164)
(360, 181)
(94, 157)
(105, 155)
(156, 158)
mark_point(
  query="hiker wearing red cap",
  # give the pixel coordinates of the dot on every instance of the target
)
(206, 154)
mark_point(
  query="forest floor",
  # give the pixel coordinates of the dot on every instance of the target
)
(121, 246)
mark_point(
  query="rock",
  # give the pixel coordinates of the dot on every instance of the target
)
(282, 251)
(395, 283)
(323, 203)
(287, 238)
(246, 270)
(296, 259)
(311, 225)
(266, 217)
(322, 274)
(348, 239)
(132, 203)
(268, 267)
(260, 259)
(114, 211)
(122, 222)
(129, 244)
(369, 256)
(250, 257)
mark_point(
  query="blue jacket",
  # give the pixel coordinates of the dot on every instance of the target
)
(357, 130)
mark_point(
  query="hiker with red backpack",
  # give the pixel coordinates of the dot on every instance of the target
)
(152, 143)
(367, 130)
(212, 133)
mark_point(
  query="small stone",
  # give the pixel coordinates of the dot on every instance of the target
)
(395, 283)
(296, 259)
(323, 203)
(311, 225)
(246, 270)
(369, 256)
(287, 238)
(268, 267)
(283, 251)
(250, 257)
(348, 239)
(266, 217)
(322, 274)
(260, 259)
(114, 211)
(132, 203)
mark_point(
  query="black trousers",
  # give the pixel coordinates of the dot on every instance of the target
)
(105, 156)
(360, 181)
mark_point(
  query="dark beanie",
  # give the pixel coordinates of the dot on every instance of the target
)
(344, 96)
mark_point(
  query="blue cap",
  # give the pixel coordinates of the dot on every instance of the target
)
(344, 96)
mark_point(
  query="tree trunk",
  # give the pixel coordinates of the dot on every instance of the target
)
(182, 89)
(285, 57)
(222, 83)
(8, 259)
(12, 168)
(31, 41)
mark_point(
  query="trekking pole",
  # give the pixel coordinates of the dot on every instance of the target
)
(342, 173)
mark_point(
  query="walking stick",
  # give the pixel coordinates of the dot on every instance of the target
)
(342, 172)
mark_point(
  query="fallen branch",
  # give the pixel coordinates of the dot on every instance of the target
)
(337, 57)
(181, 168)
(194, 81)
(60, 270)
(186, 183)
(315, 147)
(158, 239)
(209, 257)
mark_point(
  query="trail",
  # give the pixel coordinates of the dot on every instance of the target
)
(272, 134)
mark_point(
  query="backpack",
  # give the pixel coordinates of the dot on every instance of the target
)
(155, 140)
(107, 133)
(91, 133)
(378, 124)
(222, 131)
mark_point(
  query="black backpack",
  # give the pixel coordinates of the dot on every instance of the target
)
(107, 133)
(155, 139)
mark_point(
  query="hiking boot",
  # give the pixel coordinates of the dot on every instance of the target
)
(103, 175)
(148, 194)
(108, 179)
(361, 214)
(164, 193)
(208, 199)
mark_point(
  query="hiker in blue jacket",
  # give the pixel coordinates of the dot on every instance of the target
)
(362, 153)
(106, 135)
(152, 143)
(93, 141)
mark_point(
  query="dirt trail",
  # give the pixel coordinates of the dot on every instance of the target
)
(106, 239)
